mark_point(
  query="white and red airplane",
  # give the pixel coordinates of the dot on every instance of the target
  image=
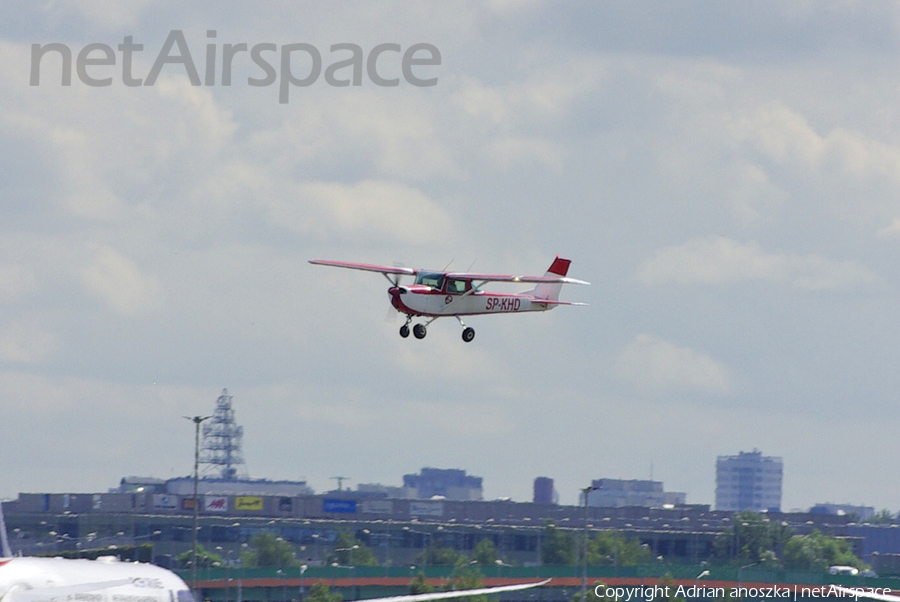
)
(437, 294)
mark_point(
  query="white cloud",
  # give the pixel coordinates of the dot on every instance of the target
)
(890, 231)
(104, 13)
(720, 260)
(785, 135)
(655, 365)
(370, 210)
(120, 283)
(26, 341)
(16, 281)
(509, 153)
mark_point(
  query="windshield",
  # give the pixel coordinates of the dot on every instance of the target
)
(432, 279)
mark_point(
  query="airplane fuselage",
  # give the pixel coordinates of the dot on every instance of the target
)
(418, 300)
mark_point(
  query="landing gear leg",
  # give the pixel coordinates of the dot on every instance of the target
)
(404, 330)
(468, 332)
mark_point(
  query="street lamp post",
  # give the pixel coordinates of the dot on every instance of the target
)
(348, 549)
(303, 568)
(349, 564)
(148, 536)
(585, 491)
(240, 583)
(197, 420)
(425, 547)
(741, 570)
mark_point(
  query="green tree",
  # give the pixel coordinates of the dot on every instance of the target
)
(320, 593)
(204, 558)
(816, 552)
(667, 582)
(440, 556)
(610, 547)
(752, 537)
(592, 594)
(268, 550)
(557, 546)
(780, 533)
(882, 517)
(350, 551)
(419, 585)
(485, 553)
(467, 576)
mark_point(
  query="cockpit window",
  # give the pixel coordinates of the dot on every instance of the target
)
(456, 286)
(432, 279)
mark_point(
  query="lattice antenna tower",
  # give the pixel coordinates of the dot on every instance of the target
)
(221, 449)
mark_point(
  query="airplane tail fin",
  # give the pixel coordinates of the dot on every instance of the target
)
(550, 292)
(5, 551)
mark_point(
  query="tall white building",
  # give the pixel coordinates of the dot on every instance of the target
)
(748, 481)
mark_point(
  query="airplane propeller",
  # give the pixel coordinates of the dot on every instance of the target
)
(394, 279)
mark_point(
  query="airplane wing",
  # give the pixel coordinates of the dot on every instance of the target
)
(463, 593)
(384, 269)
(512, 278)
(63, 591)
(865, 592)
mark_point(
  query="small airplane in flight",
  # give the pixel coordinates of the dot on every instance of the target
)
(436, 294)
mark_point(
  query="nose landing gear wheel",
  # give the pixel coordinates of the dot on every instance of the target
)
(419, 331)
(468, 334)
(404, 331)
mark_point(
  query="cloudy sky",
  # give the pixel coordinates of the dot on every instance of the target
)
(727, 177)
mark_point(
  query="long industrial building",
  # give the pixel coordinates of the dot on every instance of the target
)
(397, 530)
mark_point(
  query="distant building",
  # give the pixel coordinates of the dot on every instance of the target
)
(862, 513)
(748, 481)
(140, 485)
(450, 484)
(372, 491)
(184, 486)
(618, 493)
(544, 491)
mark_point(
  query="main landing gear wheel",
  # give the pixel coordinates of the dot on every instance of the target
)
(468, 334)
(419, 331)
(404, 331)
